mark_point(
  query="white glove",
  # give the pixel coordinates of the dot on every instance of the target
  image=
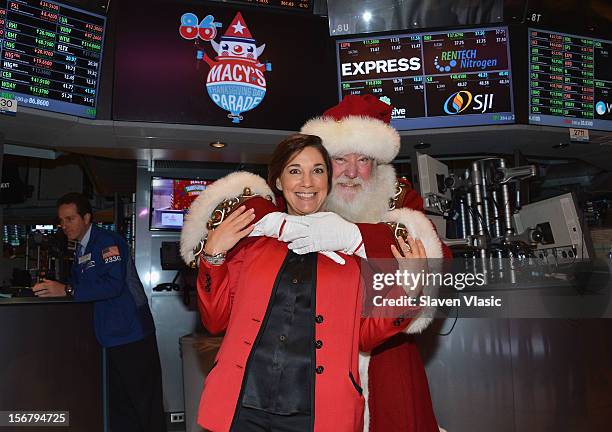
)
(334, 257)
(269, 226)
(275, 225)
(324, 231)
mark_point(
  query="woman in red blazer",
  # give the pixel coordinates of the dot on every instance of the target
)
(293, 323)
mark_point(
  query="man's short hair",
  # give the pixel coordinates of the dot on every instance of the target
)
(79, 200)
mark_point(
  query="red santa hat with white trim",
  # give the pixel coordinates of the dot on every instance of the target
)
(358, 124)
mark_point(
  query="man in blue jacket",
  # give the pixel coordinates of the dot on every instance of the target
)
(103, 272)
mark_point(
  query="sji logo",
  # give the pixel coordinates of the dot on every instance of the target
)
(460, 101)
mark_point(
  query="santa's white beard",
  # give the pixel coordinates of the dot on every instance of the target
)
(366, 204)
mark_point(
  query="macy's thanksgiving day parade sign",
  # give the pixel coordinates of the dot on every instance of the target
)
(235, 82)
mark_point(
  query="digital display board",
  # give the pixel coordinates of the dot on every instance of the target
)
(51, 55)
(570, 80)
(210, 64)
(436, 79)
(350, 17)
(297, 5)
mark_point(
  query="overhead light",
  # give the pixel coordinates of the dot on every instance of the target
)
(217, 144)
(421, 146)
(560, 145)
(367, 16)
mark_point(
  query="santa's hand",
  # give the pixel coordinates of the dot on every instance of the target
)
(269, 226)
(411, 258)
(324, 231)
(276, 225)
(334, 257)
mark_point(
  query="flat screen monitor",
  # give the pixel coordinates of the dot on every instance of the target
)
(51, 56)
(288, 5)
(570, 80)
(44, 228)
(205, 63)
(434, 79)
(14, 234)
(348, 17)
(170, 201)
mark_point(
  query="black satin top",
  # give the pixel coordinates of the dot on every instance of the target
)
(279, 374)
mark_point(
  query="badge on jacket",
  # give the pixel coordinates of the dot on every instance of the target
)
(111, 254)
(85, 258)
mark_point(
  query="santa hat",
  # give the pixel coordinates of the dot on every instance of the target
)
(358, 124)
(238, 31)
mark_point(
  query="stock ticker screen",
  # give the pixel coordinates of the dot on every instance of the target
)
(570, 80)
(436, 79)
(51, 56)
(296, 5)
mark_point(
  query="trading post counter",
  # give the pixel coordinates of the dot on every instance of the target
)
(51, 365)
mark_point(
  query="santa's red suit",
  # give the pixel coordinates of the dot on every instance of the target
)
(393, 375)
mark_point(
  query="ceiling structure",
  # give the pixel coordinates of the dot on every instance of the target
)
(162, 141)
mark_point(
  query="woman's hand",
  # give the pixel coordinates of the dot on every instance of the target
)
(234, 228)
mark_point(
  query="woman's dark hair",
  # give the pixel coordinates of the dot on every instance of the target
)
(82, 204)
(288, 148)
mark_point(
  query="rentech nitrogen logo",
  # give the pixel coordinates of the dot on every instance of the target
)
(459, 101)
(464, 59)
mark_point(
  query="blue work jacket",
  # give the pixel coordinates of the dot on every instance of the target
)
(105, 275)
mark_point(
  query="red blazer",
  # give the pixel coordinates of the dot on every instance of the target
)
(234, 297)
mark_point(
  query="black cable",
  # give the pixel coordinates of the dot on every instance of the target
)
(477, 214)
(454, 322)
(497, 207)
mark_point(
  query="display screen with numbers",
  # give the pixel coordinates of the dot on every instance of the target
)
(51, 55)
(296, 5)
(570, 80)
(435, 79)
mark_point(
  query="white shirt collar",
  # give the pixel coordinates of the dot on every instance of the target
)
(85, 238)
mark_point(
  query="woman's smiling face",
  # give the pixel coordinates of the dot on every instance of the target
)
(304, 182)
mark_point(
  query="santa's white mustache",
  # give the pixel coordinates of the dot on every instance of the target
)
(346, 181)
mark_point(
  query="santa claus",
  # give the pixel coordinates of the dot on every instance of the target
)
(362, 144)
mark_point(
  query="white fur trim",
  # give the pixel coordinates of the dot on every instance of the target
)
(230, 186)
(419, 227)
(356, 134)
(364, 366)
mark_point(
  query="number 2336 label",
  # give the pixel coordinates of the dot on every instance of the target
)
(111, 254)
(111, 259)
